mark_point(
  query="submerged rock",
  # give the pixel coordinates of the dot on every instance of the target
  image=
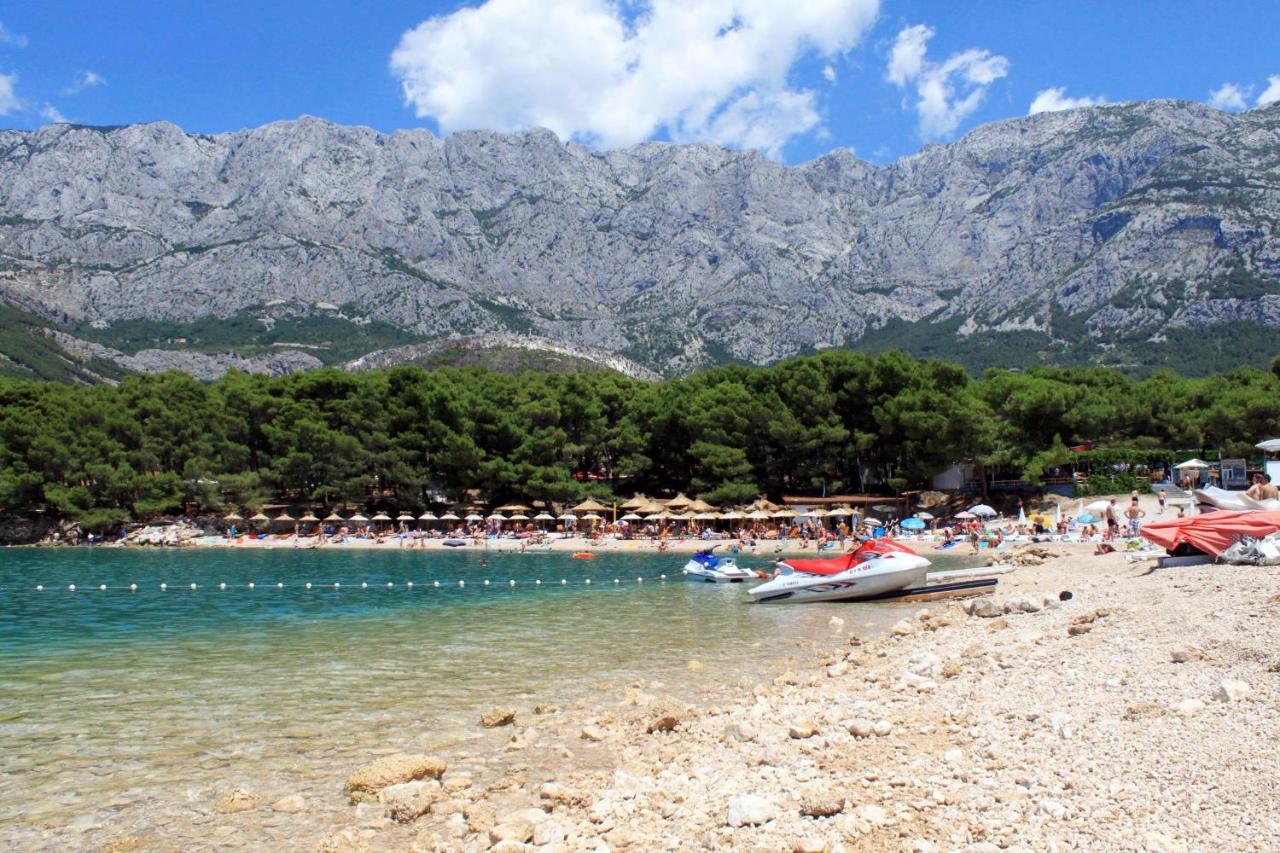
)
(496, 717)
(392, 770)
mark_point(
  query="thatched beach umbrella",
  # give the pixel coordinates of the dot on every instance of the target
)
(450, 516)
(634, 504)
(382, 516)
(678, 502)
(497, 516)
(785, 513)
(705, 516)
(358, 519)
(656, 516)
(474, 516)
(309, 518)
(428, 516)
(590, 505)
(650, 507)
(259, 518)
(231, 516)
(404, 516)
(701, 506)
(732, 515)
(631, 516)
(334, 517)
(519, 516)
(569, 517)
(591, 516)
(759, 515)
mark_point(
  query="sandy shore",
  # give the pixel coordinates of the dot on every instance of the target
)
(1138, 715)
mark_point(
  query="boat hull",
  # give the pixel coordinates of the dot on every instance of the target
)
(865, 580)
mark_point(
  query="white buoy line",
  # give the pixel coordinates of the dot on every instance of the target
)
(223, 586)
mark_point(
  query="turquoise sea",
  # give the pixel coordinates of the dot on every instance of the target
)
(127, 712)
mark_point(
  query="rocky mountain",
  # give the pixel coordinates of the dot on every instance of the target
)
(1139, 233)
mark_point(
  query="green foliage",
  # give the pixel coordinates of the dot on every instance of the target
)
(329, 337)
(1115, 484)
(838, 420)
(27, 353)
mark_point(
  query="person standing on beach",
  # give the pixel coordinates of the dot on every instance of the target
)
(1113, 519)
(1135, 515)
(1163, 498)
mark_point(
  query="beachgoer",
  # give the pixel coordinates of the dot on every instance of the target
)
(1262, 489)
(1163, 498)
(1113, 519)
(1135, 515)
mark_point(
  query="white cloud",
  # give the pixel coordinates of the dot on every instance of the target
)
(1229, 97)
(52, 114)
(1271, 94)
(87, 80)
(9, 100)
(9, 37)
(610, 73)
(1054, 100)
(947, 92)
(829, 72)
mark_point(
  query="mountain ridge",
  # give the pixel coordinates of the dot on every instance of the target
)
(1060, 235)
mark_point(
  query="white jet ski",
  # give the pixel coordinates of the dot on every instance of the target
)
(708, 568)
(876, 567)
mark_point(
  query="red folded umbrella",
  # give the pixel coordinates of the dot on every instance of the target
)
(1212, 532)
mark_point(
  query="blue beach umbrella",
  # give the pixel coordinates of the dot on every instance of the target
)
(912, 524)
(1087, 518)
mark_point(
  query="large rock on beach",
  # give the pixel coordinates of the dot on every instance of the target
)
(750, 810)
(668, 721)
(389, 770)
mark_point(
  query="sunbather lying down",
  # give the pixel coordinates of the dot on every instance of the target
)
(1104, 548)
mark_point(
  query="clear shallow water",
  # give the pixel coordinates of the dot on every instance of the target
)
(131, 711)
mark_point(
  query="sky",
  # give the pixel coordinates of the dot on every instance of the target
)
(793, 79)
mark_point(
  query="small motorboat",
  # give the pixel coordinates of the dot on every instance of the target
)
(877, 567)
(708, 568)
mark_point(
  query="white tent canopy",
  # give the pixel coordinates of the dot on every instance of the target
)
(1271, 445)
(1192, 463)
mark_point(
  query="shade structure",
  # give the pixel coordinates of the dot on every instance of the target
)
(591, 516)
(759, 515)
(474, 516)
(428, 516)
(872, 522)
(926, 516)
(512, 508)
(1022, 515)
(785, 513)
(655, 516)
(309, 518)
(544, 516)
(333, 516)
(631, 516)
(678, 502)
(650, 507)
(1098, 506)
(1192, 463)
(705, 516)
(635, 502)
(450, 516)
(519, 516)
(285, 518)
(965, 515)
(1271, 445)
(231, 516)
(837, 512)
(590, 505)
(732, 515)
(497, 516)
(259, 516)
(700, 505)
(983, 510)
(404, 516)
(358, 519)
(568, 516)
(912, 524)
(1212, 532)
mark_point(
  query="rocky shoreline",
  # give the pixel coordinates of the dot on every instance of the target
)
(1140, 714)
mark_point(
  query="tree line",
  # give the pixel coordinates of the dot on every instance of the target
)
(402, 437)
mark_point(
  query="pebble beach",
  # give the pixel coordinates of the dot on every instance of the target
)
(1137, 714)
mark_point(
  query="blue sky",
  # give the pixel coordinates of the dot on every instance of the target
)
(793, 79)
